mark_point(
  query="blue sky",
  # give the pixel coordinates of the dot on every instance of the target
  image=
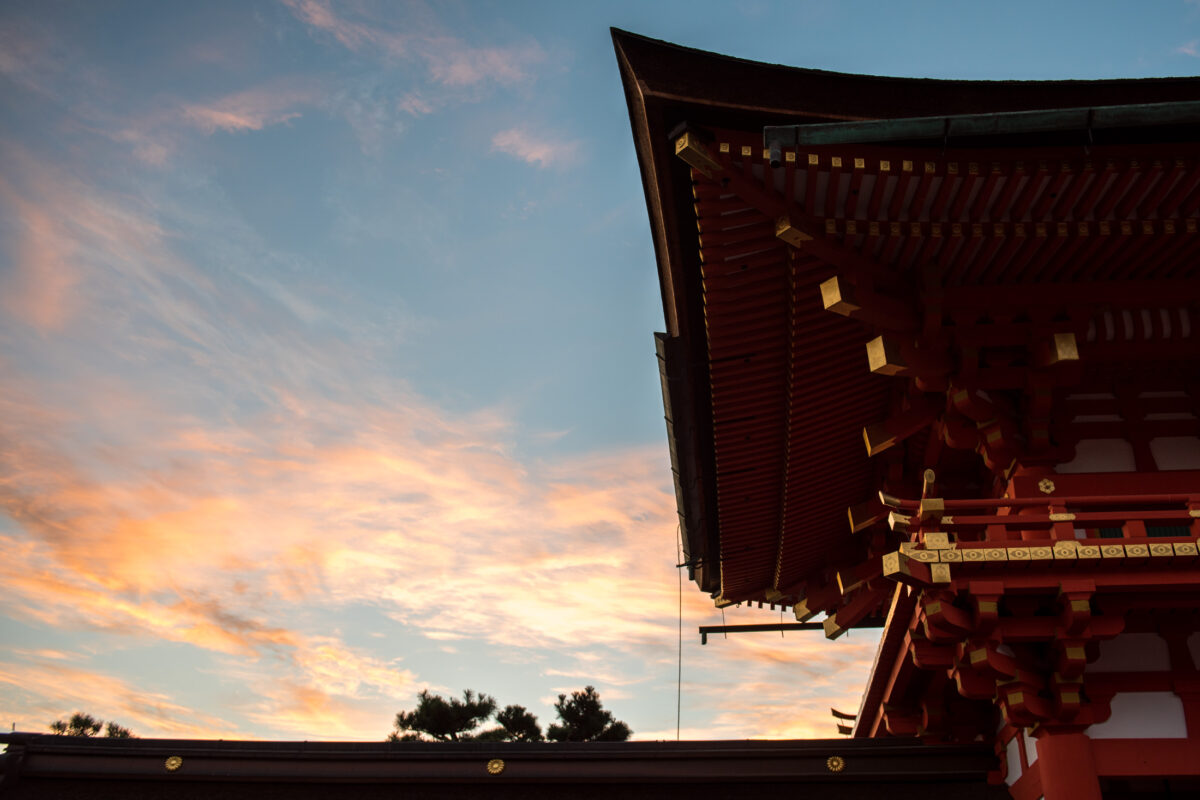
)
(326, 370)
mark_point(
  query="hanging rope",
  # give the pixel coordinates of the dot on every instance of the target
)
(679, 672)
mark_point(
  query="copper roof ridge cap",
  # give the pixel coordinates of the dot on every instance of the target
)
(620, 35)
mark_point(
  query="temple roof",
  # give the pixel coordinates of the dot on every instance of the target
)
(867, 212)
(42, 765)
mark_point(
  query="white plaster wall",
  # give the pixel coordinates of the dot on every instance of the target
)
(1193, 643)
(1143, 715)
(1132, 652)
(1101, 455)
(1176, 452)
(1030, 746)
(1013, 756)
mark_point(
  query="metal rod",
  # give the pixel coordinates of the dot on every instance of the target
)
(705, 630)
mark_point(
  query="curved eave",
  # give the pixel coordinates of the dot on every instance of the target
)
(670, 89)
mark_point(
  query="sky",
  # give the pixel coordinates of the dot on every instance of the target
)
(326, 359)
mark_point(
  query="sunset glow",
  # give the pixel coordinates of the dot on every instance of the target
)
(326, 369)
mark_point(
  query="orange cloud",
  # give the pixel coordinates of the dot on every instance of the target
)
(40, 691)
(158, 510)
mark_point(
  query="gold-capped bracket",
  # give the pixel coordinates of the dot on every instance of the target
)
(1060, 348)
(883, 357)
(838, 296)
(802, 611)
(900, 567)
(832, 629)
(931, 508)
(788, 233)
(938, 540)
(1066, 549)
(693, 151)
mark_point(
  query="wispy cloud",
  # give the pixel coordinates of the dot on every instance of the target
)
(449, 60)
(1192, 49)
(40, 290)
(228, 461)
(413, 103)
(540, 150)
(41, 690)
(252, 109)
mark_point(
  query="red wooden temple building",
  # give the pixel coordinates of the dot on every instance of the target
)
(932, 359)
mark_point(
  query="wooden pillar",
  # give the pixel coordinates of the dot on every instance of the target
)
(1068, 771)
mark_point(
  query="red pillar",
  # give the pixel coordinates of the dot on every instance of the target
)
(1067, 769)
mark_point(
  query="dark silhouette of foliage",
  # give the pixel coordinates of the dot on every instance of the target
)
(443, 720)
(114, 731)
(516, 725)
(81, 724)
(585, 720)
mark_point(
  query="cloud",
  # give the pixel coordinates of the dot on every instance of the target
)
(539, 150)
(453, 63)
(41, 690)
(450, 61)
(1192, 49)
(40, 291)
(250, 110)
(413, 103)
(218, 459)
